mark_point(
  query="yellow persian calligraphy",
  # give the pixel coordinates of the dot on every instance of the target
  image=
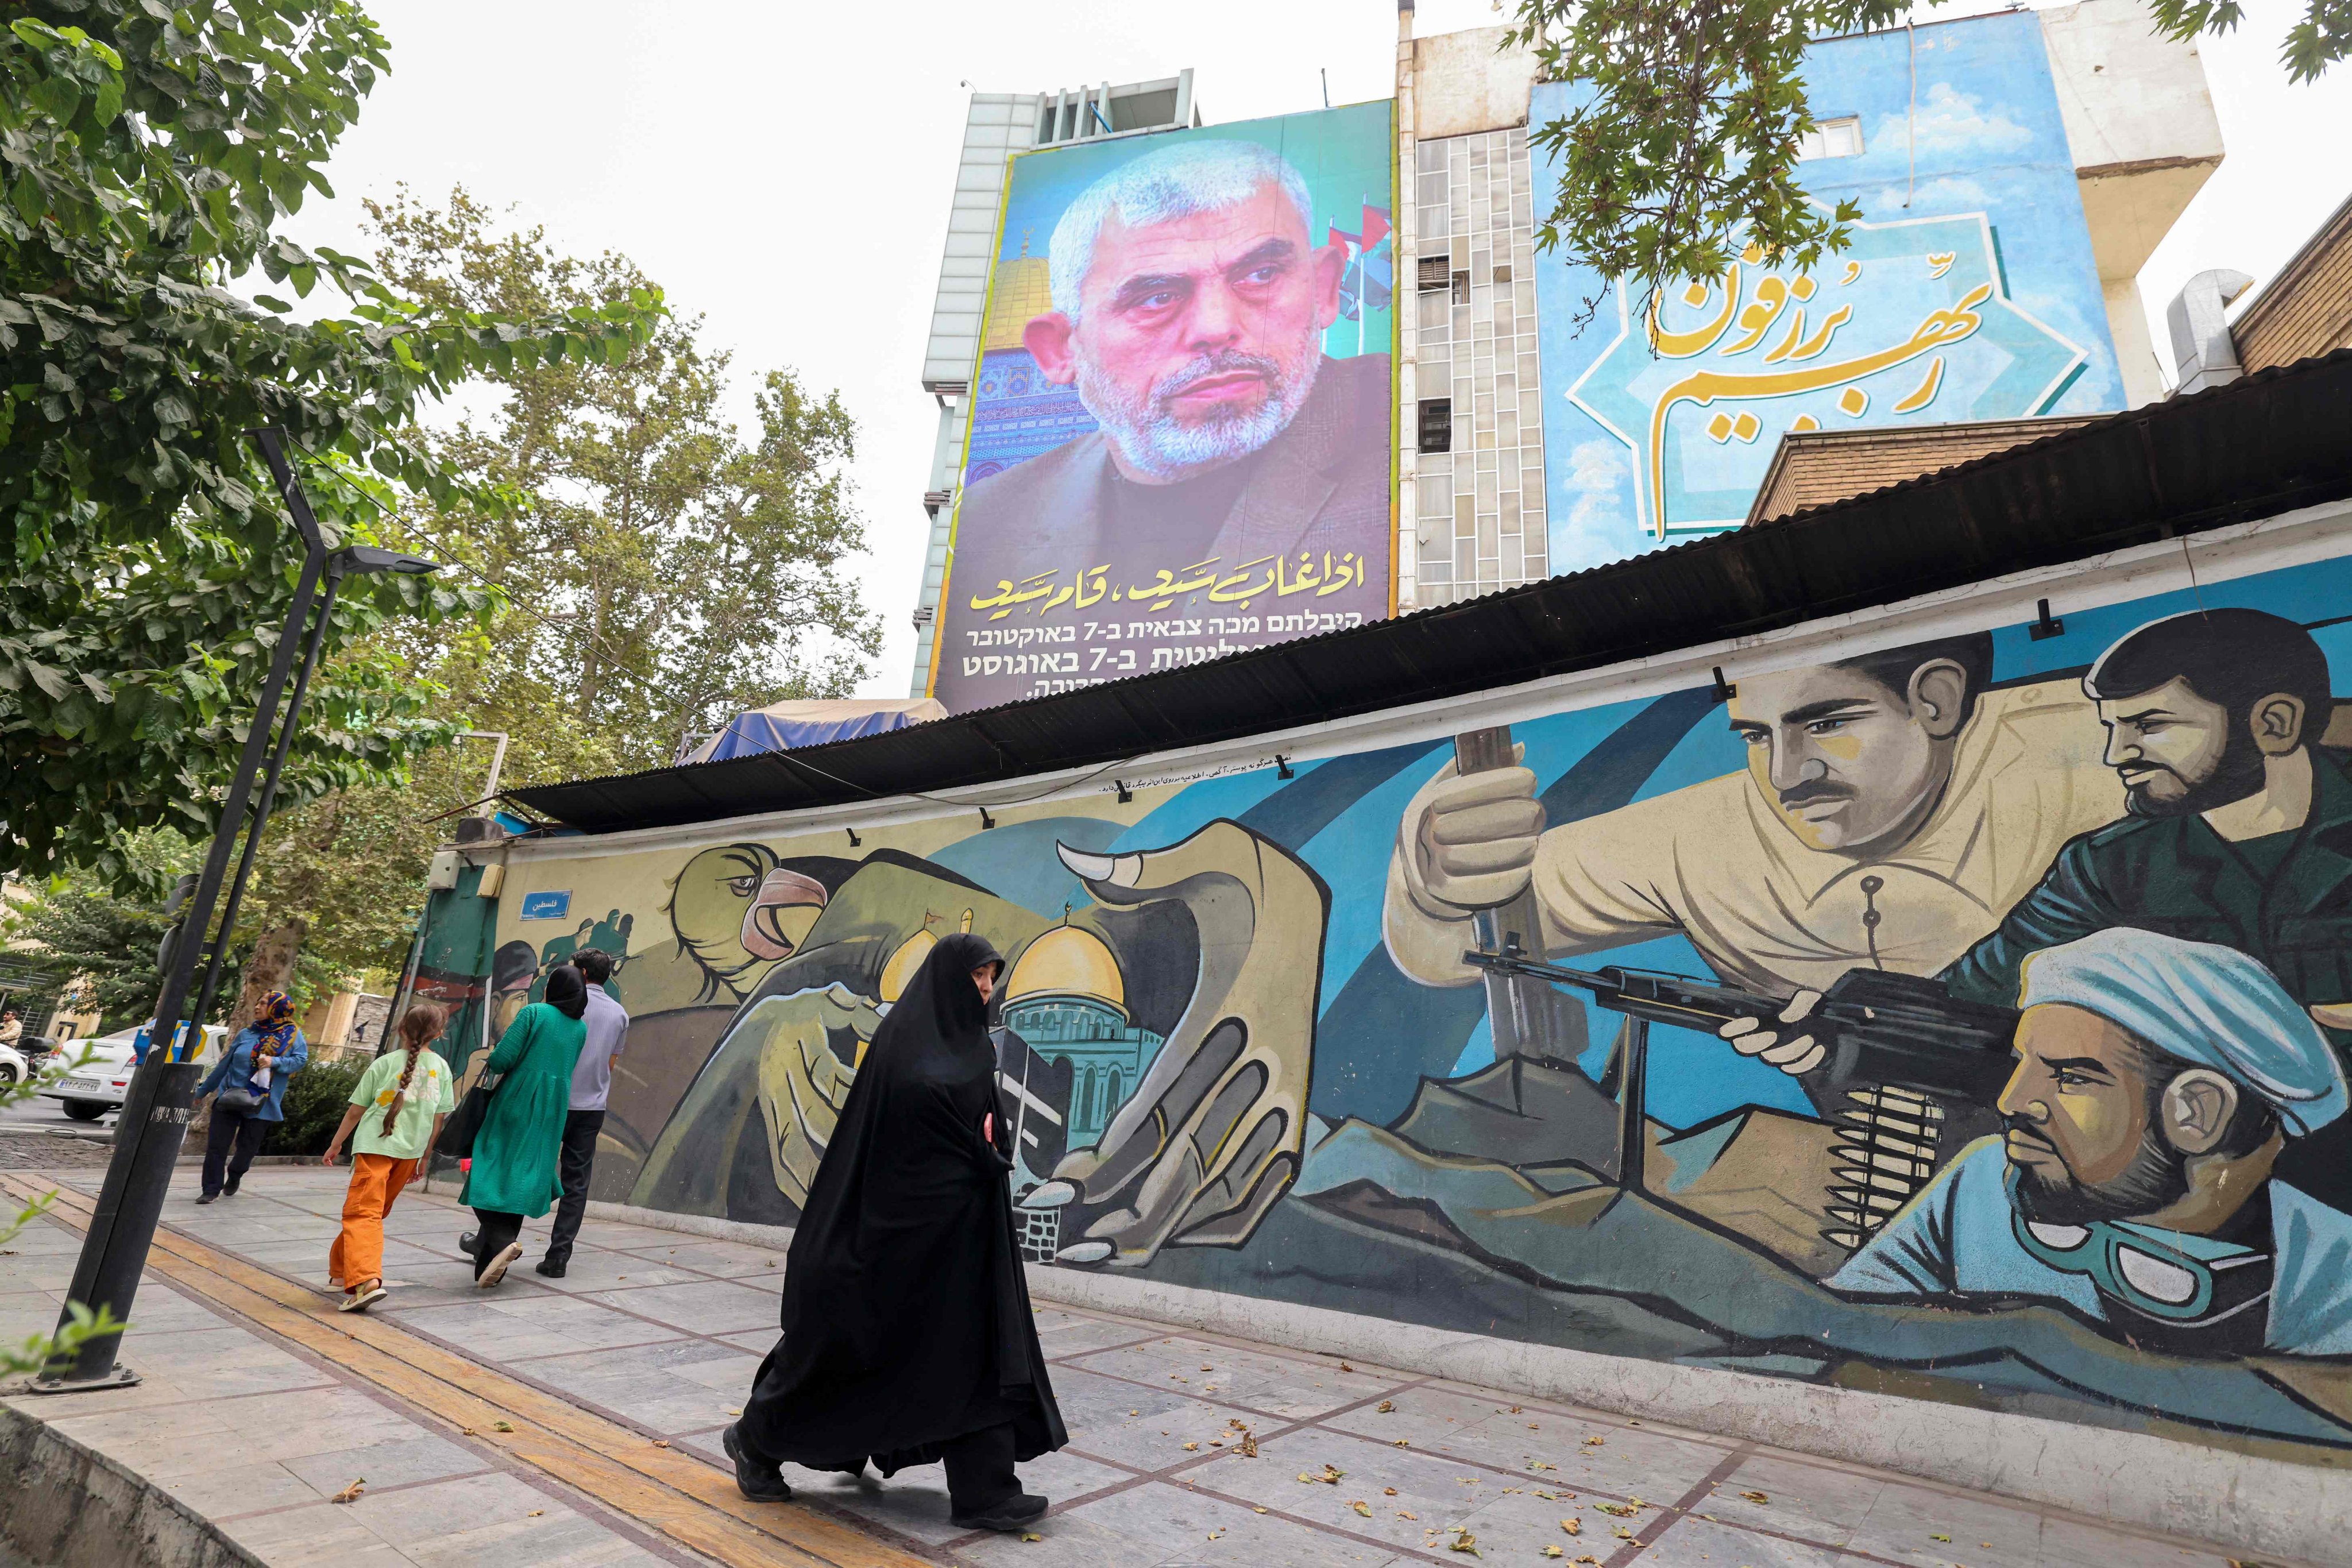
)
(1938, 329)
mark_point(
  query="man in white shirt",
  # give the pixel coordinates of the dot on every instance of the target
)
(592, 1085)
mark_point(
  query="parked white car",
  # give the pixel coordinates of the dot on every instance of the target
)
(99, 1084)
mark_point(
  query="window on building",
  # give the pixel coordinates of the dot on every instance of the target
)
(1462, 287)
(1433, 275)
(1437, 425)
(1839, 138)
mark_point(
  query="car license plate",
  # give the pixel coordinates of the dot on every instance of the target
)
(79, 1083)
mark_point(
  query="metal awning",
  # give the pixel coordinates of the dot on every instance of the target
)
(2254, 448)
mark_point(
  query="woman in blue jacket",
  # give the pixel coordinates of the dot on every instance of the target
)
(250, 1082)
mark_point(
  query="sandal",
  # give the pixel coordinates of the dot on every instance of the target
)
(366, 1295)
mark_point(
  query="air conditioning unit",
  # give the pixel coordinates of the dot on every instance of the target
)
(442, 874)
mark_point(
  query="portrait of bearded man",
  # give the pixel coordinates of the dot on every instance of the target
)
(1190, 305)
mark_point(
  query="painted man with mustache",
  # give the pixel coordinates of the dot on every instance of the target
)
(2140, 1183)
(1892, 810)
(1190, 302)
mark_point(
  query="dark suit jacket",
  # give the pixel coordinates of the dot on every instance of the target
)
(1322, 485)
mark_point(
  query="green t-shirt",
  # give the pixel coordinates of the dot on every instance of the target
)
(431, 1092)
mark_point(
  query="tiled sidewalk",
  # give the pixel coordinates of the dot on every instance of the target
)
(661, 1332)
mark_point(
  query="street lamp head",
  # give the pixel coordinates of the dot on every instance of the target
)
(365, 558)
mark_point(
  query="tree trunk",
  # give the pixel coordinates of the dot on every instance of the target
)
(271, 967)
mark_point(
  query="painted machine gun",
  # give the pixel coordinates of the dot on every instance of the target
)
(1877, 1028)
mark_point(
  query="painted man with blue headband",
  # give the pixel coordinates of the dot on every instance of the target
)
(2157, 1082)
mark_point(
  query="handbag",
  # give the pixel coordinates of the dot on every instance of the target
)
(457, 1133)
(241, 1100)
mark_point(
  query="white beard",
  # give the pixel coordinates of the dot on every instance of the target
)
(1156, 442)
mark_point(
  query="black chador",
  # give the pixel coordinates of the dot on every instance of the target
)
(907, 1334)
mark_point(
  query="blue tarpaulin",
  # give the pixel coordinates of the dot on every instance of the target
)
(782, 726)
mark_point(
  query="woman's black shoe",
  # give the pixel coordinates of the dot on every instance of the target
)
(1014, 1512)
(755, 1478)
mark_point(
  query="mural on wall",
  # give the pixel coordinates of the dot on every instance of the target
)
(1970, 293)
(1687, 1027)
(1178, 443)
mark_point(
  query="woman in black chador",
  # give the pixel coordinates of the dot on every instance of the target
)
(907, 1336)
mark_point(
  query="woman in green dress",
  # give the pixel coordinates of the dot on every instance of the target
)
(514, 1175)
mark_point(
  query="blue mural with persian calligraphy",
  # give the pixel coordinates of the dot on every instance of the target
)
(1970, 293)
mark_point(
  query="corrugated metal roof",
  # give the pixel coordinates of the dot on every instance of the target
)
(2256, 447)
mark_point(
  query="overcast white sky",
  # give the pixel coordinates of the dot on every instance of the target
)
(785, 170)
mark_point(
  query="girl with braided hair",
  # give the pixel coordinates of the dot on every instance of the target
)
(396, 1110)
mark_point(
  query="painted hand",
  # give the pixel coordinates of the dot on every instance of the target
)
(1212, 1134)
(803, 1081)
(1797, 1053)
(1472, 839)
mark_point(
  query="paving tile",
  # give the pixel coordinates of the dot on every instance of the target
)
(2072, 1544)
(699, 1306)
(323, 1535)
(1277, 1385)
(1820, 1502)
(1690, 1543)
(1903, 1522)
(1140, 1427)
(399, 1459)
(728, 1259)
(511, 1330)
(589, 1272)
(1161, 1522)
(661, 1387)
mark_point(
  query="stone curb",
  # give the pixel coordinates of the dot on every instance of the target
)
(64, 1505)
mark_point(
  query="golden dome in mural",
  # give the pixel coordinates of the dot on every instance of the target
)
(1024, 291)
(903, 964)
(1067, 962)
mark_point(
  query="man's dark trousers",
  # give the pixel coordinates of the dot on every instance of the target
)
(578, 1159)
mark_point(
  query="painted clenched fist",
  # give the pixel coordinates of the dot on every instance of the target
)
(1472, 838)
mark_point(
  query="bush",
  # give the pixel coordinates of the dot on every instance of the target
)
(314, 1104)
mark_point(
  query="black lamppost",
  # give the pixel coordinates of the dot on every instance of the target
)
(154, 1118)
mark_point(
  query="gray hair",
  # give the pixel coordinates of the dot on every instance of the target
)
(1172, 182)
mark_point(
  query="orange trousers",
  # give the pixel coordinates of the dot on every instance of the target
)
(358, 1253)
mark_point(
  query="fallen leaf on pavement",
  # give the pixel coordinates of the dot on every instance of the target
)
(1248, 1450)
(1756, 1497)
(535, 1513)
(1361, 1507)
(1407, 1513)
(1192, 1447)
(1031, 1535)
(1466, 1542)
(1939, 1538)
(1400, 1442)
(1254, 1509)
(501, 1425)
(350, 1493)
(1622, 1533)
(1555, 1552)
(1539, 1464)
(661, 1442)
(1573, 1526)
(1388, 1492)
(1345, 1367)
(1621, 1510)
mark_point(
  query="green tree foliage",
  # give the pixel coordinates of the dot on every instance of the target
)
(99, 947)
(1684, 151)
(147, 155)
(663, 568)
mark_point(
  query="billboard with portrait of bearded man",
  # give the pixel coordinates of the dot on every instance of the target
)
(1180, 443)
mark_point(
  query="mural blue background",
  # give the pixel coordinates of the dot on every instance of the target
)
(1990, 140)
